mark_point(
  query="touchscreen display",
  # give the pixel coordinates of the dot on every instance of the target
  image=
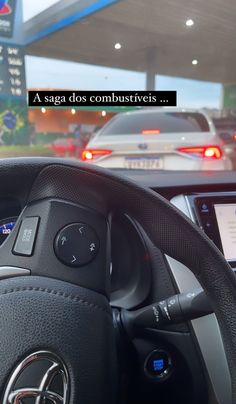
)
(226, 220)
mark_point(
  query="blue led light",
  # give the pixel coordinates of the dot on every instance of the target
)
(158, 364)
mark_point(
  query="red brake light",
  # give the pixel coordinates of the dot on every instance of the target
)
(91, 154)
(151, 131)
(208, 152)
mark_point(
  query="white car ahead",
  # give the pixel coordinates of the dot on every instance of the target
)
(158, 139)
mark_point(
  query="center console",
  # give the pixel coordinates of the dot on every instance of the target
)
(215, 213)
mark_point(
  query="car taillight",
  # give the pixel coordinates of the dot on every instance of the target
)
(151, 131)
(207, 152)
(91, 154)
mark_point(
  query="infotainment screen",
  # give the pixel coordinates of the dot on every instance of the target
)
(226, 220)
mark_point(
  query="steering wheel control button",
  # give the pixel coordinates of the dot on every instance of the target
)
(26, 237)
(158, 365)
(76, 244)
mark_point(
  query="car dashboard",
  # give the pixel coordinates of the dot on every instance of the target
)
(141, 274)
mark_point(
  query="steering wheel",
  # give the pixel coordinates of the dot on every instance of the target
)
(55, 319)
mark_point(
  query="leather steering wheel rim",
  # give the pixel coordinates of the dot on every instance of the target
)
(172, 232)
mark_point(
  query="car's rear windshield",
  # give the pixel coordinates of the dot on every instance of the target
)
(156, 122)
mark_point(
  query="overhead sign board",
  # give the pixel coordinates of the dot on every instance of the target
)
(60, 15)
(7, 17)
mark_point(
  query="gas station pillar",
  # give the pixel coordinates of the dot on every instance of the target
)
(151, 70)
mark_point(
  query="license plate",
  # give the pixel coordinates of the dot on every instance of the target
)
(143, 163)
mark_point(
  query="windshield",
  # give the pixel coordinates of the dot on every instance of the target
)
(120, 84)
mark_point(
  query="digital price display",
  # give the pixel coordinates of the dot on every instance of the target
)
(12, 71)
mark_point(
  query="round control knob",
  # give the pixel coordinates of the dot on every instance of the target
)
(76, 244)
(158, 365)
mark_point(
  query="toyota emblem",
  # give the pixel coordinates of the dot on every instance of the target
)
(49, 378)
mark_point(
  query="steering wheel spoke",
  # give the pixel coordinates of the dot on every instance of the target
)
(62, 240)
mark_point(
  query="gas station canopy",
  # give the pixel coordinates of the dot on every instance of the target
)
(152, 33)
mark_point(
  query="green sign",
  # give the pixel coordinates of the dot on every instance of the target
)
(230, 96)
